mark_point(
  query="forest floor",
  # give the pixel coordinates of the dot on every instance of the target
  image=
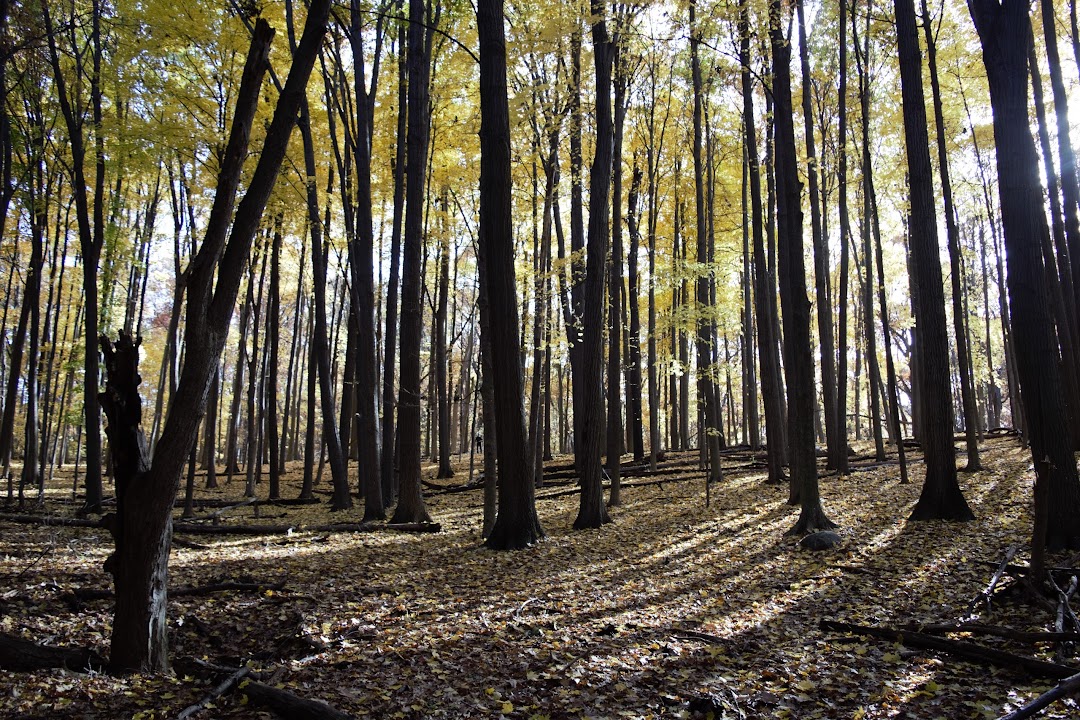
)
(674, 610)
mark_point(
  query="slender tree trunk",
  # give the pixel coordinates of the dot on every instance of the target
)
(706, 393)
(821, 253)
(767, 347)
(591, 510)
(796, 304)
(840, 454)
(410, 507)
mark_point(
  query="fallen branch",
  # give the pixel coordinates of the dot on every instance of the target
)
(228, 684)
(288, 706)
(18, 655)
(695, 635)
(988, 591)
(1002, 632)
(218, 513)
(1066, 687)
(965, 650)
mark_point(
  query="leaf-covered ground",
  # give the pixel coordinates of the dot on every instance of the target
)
(602, 623)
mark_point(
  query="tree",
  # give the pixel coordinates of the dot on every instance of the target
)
(796, 304)
(1004, 31)
(767, 345)
(591, 510)
(145, 497)
(941, 496)
(516, 524)
(410, 507)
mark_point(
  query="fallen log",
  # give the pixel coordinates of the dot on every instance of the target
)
(50, 520)
(988, 591)
(965, 650)
(195, 529)
(225, 686)
(1066, 687)
(288, 706)
(88, 594)
(18, 655)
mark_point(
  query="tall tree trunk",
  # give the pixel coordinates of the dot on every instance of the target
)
(767, 348)
(1004, 31)
(633, 386)
(796, 304)
(410, 507)
(840, 454)
(963, 350)
(442, 359)
(591, 510)
(706, 393)
(873, 370)
(821, 253)
(274, 333)
(941, 497)
(390, 335)
(516, 524)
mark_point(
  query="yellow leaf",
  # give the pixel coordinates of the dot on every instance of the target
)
(507, 708)
(805, 685)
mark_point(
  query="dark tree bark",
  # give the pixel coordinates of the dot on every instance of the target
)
(796, 304)
(274, 332)
(1004, 33)
(591, 510)
(410, 507)
(361, 266)
(633, 386)
(941, 496)
(767, 348)
(516, 525)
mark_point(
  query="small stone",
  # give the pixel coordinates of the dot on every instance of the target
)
(820, 540)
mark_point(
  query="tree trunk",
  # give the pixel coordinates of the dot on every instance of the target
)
(767, 348)
(145, 513)
(941, 496)
(706, 393)
(963, 350)
(821, 254)
(1004, 33)
(591, 510)
(410, 507)
(796, 304)
(516, 524)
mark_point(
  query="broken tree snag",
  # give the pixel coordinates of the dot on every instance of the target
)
(1068, 686)
(18, 655)
(988, 591)
(287, 706)
(965, 650)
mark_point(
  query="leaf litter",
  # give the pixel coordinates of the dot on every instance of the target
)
(674, 610)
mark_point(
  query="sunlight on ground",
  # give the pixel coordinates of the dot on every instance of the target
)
(673, 601)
